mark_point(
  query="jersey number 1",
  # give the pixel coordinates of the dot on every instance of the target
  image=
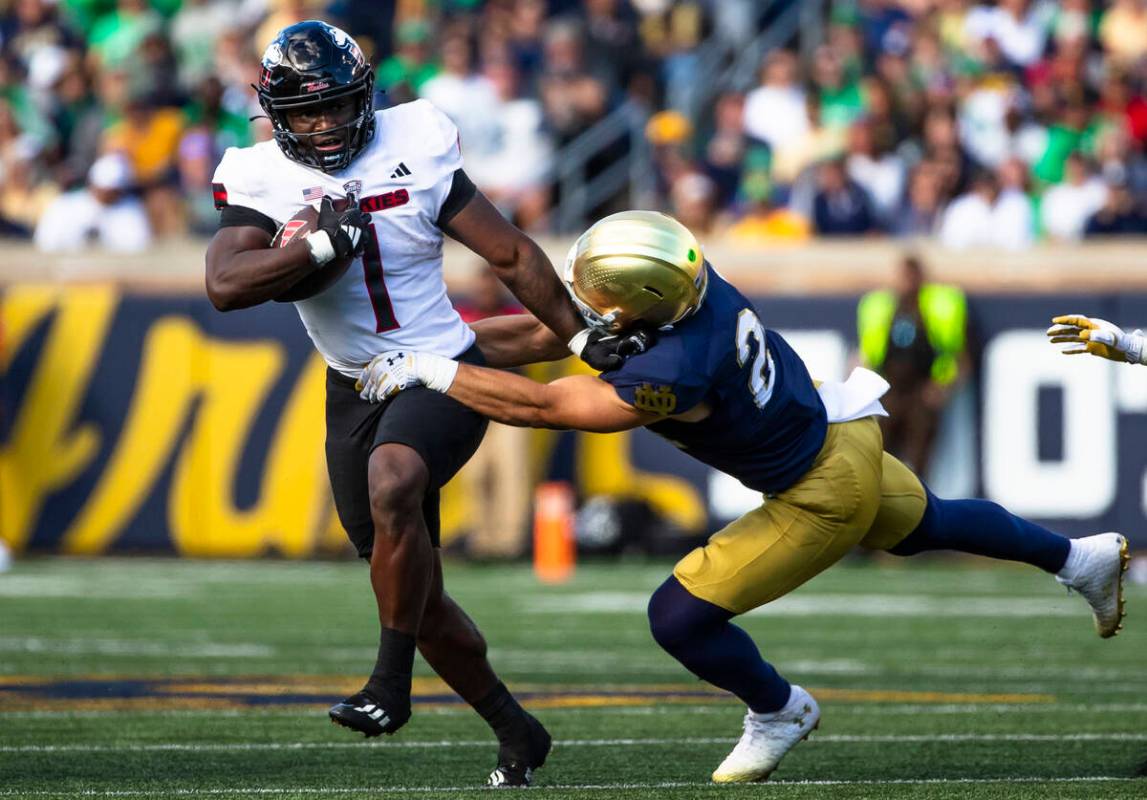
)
(749, 327)
(376, 284)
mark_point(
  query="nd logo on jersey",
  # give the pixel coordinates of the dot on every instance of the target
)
(656, 399)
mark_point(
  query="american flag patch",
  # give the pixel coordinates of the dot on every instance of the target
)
(313, 194)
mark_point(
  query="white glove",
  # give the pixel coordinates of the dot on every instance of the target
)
(389, 373)
(1097, 336)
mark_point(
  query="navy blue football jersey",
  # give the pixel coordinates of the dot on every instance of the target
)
(766, 423)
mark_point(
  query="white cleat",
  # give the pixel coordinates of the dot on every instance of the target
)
(1095, 568)
(767, 738)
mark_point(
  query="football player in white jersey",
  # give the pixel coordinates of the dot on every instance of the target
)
(402, 169)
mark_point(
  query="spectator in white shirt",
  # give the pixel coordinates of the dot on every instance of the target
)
(101, 214)
(1019, 27)
(881, 174)
(775, 111)
(994, 128)
(985, 216)
(511, 162)
(1067, 206)
(467, 97)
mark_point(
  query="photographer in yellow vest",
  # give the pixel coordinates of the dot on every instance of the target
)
(915, 336)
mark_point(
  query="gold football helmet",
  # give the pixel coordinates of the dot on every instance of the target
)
(636, 266)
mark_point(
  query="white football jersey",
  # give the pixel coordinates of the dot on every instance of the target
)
(394, 295)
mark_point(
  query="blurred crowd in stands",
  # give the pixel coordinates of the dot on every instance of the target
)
(983, 124)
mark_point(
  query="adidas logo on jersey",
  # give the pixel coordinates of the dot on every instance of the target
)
(401, 172)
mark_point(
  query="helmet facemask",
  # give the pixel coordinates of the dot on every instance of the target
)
(356, 133)
(605, 322)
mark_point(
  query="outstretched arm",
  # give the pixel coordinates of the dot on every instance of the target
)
(516, 340)
(523, 267)
(578, 402)
(1098, 337)
(518, 262)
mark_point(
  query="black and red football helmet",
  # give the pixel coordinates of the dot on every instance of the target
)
(312, 63)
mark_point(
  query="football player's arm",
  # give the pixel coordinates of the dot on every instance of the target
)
(243, 269)
(518, 262)
(516, 340)
(577, 402)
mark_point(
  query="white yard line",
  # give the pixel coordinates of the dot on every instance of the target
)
(838, 707)
(842, 604)
(655, 742)
(132, 647)
(387, 791)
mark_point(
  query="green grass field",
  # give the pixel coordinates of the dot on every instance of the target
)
(144, 678)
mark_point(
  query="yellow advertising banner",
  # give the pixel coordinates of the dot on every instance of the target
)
(132, 422)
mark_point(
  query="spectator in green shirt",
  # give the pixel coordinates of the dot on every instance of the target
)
(1072, 132)
(402, 75)
(116, 36)
(841, 102)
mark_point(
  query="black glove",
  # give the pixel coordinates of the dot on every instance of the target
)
(606, 351)
(346, 230)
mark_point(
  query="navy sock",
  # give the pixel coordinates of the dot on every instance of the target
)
(700, 636)
(985, 529)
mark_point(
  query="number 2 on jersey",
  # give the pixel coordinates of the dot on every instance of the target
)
(376, 284)
(749, 327)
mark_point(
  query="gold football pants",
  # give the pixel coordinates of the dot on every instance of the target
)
(854, 494)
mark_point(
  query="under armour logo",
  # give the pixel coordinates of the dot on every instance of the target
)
(392, 360)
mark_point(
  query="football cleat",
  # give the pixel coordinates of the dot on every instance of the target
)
(1094, 568)
(370, 716)
(517, 761)
(767, 738)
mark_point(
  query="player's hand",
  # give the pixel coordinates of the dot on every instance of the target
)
(606, 351)
(344, 233)
(1096, 336)
(389, 373)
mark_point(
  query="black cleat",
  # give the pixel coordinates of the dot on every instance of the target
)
(518, 760)
(370, 716)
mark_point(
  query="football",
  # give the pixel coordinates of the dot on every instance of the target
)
(298, 226)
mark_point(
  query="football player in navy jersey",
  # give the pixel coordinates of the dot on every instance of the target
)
(734, 395)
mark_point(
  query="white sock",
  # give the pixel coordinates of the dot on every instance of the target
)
(1074, 559)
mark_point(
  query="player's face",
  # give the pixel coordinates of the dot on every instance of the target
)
(325, 117)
